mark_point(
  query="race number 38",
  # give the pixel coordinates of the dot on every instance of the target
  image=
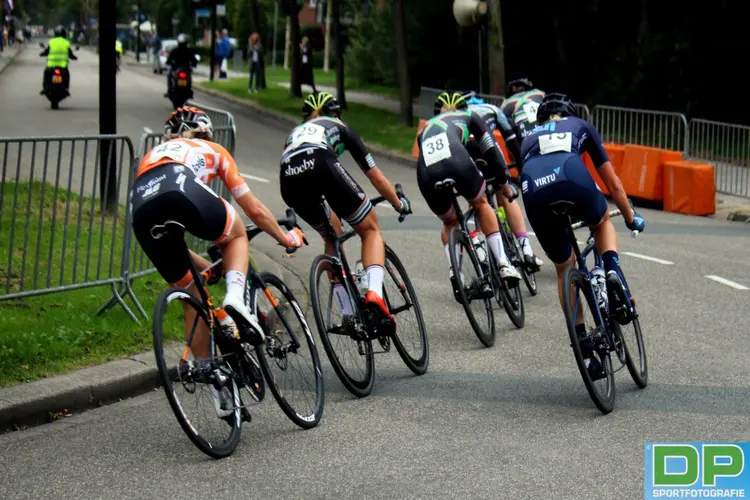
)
(435, 149)
(696, 470)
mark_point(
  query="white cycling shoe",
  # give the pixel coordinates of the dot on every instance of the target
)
(235, 306)
(508, 272)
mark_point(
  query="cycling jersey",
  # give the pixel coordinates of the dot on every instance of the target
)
(570, 135)
(205, 159)
(171, 185)
(328, 133)
(443, 155)
(449, 132)
(521, 110)
(495, 119)
(554, 175)
(311, 172)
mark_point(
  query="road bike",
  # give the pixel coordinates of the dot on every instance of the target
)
(358, 330)
(508, 294)
(609, 317)
(237, 358)
(486, 283)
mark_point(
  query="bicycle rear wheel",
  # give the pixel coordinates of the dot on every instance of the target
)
(177, 372)
(622, 317)
(471, 290)
(401, 300)
(289, 349)
(352, 348)
(576, 284)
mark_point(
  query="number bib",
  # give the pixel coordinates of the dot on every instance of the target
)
(436, 149)
(554, 143)
(530, 108)
(176, 151)
(309, 133)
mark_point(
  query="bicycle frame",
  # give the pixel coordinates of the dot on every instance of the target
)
(341, 264)
(200, 279)
(581, 255)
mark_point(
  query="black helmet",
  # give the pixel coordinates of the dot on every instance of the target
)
(323, 102)
(59, 30)
(451, 100)
(521, 81)
(555, 104)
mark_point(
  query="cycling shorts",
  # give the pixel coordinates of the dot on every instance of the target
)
(469, 181)
(313, 182)
(550, 183)
(172, 192)
(488, 172)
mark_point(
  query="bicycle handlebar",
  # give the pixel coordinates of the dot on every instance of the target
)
(289, 222)
(400, 193)
(612, 213)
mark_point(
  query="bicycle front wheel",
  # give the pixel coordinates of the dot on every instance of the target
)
(194, 395)
(509, 297)
(472, 287)
(349, 352)
(289, 354)
(410, 337)
(578, 298)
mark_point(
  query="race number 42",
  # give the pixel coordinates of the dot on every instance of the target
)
(435, 149)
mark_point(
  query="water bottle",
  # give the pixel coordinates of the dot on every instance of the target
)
(480, 246)
(501, 214)
(600, 286)
(360, 277)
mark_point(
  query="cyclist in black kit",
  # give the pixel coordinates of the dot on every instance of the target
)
(443, 155)
(310, 169)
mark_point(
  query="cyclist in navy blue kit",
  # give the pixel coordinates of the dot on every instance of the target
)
(554, 175)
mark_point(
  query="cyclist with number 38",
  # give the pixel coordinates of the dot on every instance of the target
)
(443, 155)
(555, 176)
(521, 105)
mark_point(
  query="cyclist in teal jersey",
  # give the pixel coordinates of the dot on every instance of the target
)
(521, 105)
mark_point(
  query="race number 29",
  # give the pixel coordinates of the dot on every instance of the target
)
(696, 470)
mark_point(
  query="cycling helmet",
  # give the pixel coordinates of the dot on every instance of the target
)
(182, 39)
(450, 100)
(471, 98)
(188, 122)
(521, 81)
(60, 30)
(323, 102)
(555, 104)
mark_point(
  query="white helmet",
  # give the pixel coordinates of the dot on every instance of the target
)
(181, 38)
(188, 122)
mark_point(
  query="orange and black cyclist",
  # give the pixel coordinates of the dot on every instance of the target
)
(521, 105)
(171, 185)
(310, 169)
(443, 155)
